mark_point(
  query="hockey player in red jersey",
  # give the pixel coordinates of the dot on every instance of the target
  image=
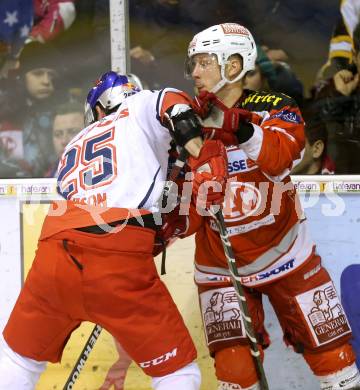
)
(94, 259)
(264, 138)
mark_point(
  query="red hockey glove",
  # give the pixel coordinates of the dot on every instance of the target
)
(226, 137)
(174, 225)
(234, 117)
(203, 103)
(210, 173)
(229, 121)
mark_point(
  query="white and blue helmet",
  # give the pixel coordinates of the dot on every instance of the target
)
(110, 90)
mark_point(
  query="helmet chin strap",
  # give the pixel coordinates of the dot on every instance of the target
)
(216, 88)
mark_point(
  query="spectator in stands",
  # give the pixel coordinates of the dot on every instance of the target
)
(315, 160)
(86, 45)
(302, 28)
(273, 74)
(341, 43)
(16, 20)
(37, 78)
(258, 79)
(160, 31)
(51, 17)
(337, 104)
(12, 164)
(23, 22)
(68, 121)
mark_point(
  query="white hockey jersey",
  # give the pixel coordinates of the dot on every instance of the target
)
(120, 161)
(115, 168)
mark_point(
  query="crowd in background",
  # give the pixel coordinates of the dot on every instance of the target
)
(52, 51)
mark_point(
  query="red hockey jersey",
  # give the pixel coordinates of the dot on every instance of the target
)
(261, 208)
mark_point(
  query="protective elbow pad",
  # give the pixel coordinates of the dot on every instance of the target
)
(182, 123)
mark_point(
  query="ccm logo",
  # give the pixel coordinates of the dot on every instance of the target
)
(160, 359)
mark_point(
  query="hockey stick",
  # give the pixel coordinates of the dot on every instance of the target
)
(79, 365)
(235, 278)
(94, 335)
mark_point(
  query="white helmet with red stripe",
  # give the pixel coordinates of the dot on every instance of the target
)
(224, 40)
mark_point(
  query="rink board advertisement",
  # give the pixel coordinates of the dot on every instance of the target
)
(331, 206)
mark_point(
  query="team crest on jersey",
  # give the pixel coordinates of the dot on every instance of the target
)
(242, 201)
(221, 315)
(287, 116)
(323, 314)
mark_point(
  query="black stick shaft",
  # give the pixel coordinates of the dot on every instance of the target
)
(229, 254)
(79, 365)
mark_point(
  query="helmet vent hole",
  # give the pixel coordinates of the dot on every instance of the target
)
(206, 43)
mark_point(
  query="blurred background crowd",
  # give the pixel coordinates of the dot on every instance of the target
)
(51, 51)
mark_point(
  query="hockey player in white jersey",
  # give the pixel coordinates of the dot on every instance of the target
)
(94, 259)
